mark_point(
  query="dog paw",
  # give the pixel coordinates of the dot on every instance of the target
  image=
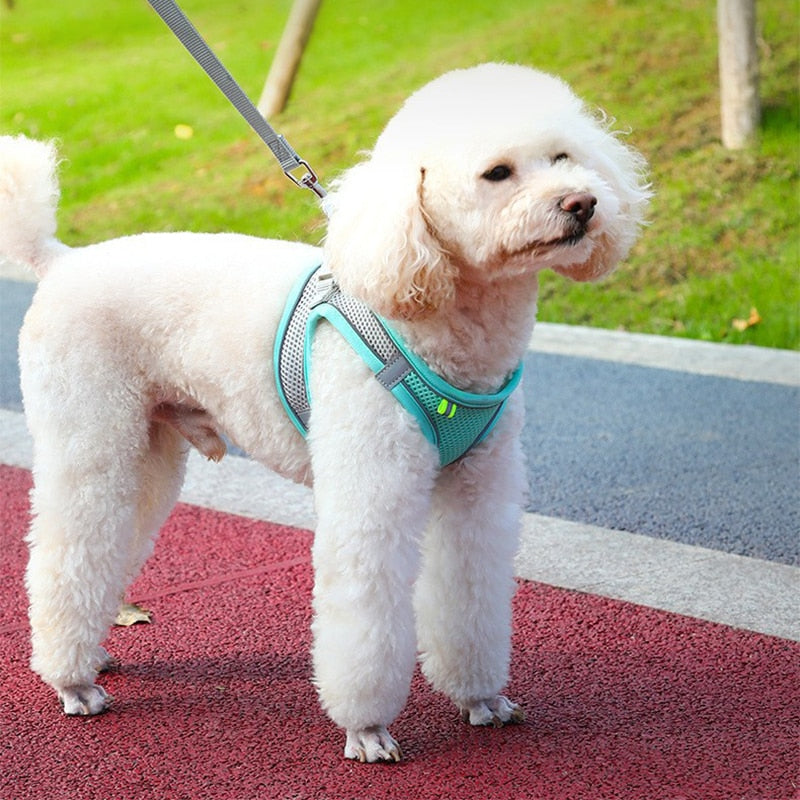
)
(84, 700)
(496, 711)
(372, 744)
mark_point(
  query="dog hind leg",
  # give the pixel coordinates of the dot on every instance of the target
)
(76, 573)
(86, 509)
(161, 473)
(161, 476)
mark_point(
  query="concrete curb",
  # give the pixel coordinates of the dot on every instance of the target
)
(740, 362)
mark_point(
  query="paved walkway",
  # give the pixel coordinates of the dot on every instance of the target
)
(655, 622)
(215, 700)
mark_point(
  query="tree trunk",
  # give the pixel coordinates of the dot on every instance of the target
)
(738, 72)
(287, 58)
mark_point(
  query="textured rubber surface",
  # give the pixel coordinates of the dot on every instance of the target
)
(214, 698)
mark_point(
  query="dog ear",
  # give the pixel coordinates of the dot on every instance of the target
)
(379, 245)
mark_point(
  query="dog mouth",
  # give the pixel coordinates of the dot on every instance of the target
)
(574, 213)
(543, 245)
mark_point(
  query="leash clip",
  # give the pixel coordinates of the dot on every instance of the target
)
(308, 179)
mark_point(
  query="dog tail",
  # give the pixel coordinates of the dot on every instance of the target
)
(28, 201)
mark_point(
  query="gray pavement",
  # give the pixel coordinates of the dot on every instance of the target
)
(699, 459)
(15, 297)
(662, 471)
(696, 459)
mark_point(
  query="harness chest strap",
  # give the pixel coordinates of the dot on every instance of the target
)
(453, 420)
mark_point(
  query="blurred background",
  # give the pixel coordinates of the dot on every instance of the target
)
(149, 143)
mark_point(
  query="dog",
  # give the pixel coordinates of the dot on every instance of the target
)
(137, 348)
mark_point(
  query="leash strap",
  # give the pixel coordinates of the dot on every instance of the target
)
(291, 163)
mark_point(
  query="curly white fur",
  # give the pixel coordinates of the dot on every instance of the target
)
(137, 346)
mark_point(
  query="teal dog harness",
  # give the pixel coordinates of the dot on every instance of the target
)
(451, 419)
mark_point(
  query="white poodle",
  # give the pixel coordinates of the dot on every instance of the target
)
(136, 347)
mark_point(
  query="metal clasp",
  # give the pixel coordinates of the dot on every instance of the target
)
(326, 287)
(308, 180)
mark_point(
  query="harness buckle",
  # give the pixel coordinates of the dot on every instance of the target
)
(325, 289)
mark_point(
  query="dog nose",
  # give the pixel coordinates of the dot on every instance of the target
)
(580, 205)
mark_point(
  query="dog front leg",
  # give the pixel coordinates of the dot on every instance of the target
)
(372, 486)
(463, 596)
(364, 639)
(365, 562)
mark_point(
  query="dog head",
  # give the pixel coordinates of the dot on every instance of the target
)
(484, 174)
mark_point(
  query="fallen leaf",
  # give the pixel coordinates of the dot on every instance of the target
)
(184, 131)
(129, 614)
(743, 324)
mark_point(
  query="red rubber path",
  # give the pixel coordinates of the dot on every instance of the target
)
(214, 698)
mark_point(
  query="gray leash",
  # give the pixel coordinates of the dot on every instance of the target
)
(290, 162)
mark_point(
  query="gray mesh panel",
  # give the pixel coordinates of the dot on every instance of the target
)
(290, 357)
(365, 324)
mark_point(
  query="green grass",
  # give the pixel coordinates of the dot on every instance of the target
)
(111, 82)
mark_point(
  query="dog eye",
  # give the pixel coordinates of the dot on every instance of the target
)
(498, 173)
(560, 157)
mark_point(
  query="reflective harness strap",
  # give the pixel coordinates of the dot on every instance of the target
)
(451, 419)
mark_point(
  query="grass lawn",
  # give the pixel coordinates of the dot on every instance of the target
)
(112, 83)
